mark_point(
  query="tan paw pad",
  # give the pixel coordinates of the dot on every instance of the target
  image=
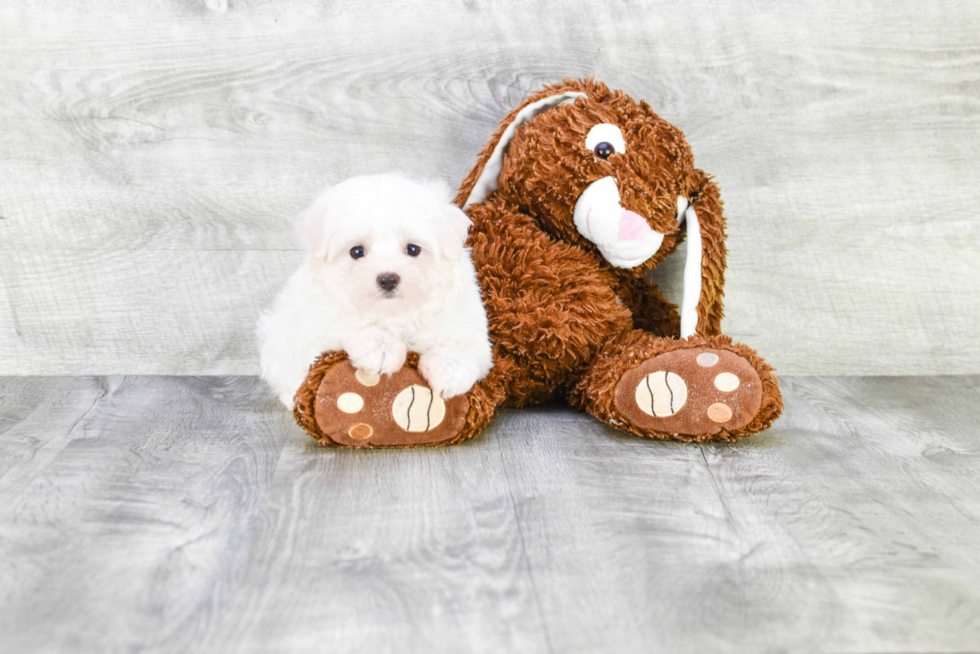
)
(350, 402)
(367, 378)
(726, 382)
(707, 359)
(417, 408)
(360, 431)
(719, 412)
(661, 394)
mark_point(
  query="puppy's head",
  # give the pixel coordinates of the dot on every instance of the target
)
(384, 246)
(596, 168)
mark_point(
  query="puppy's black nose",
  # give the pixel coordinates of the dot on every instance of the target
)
(388, 281)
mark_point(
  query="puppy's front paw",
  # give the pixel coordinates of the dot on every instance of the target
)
(449, 373)
(377, 353)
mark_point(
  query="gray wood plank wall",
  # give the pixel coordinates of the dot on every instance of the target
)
(151, 154)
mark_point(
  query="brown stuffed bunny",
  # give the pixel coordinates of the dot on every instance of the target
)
(580, 193)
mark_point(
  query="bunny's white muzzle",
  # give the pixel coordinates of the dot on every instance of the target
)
(623, 237)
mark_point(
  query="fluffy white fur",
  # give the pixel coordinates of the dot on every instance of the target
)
(334, 302)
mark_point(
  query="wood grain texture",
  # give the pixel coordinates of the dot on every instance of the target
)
(151, 154)
(135, 526)
(167, 514)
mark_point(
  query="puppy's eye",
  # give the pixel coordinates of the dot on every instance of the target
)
(413, 250)
(357, 251)
(605, 150)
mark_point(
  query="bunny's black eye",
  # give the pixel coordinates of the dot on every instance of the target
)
(604, 150)
(357, 251)
(413, 250)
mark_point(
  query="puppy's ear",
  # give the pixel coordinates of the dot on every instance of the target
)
(452, 235)
(439, 189)
(312, 229)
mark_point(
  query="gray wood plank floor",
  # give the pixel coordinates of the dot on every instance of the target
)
(191, 514)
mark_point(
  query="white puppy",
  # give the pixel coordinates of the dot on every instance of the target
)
(387, 273)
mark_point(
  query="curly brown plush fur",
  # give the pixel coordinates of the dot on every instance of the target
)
(565, 323)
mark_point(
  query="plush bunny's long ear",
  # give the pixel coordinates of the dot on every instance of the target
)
(692, 273)
(486, 183)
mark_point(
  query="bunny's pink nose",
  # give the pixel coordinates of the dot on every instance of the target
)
(632, 227)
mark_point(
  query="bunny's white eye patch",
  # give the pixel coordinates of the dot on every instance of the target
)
(605, 133)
